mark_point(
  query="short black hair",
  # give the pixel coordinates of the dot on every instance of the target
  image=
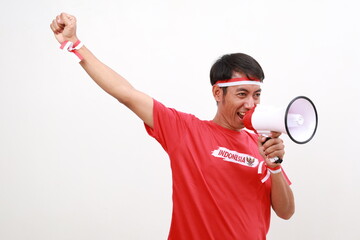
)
(224, 67)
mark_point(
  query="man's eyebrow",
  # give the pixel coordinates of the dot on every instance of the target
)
(245, 90)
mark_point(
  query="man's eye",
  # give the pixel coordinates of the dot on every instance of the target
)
(241, 94)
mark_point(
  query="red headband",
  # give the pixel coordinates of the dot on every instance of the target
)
(237, 81)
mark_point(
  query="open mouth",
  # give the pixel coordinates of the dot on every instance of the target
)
(241, 114)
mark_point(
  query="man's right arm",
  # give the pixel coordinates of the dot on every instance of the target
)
(64, 28)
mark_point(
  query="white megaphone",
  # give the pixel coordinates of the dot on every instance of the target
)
(298, 120)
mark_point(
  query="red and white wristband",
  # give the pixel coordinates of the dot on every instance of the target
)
(269, 170)
(73, 48)
(274, 170)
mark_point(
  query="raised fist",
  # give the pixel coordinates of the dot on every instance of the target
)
(64, 28)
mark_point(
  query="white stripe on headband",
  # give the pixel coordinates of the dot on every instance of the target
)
(237, 81)
(229, 84)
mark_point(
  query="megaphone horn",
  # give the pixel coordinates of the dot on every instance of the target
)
(299, 120)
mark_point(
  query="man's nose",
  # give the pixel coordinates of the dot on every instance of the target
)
(249, 103)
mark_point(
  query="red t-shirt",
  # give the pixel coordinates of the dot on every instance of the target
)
(217, 188)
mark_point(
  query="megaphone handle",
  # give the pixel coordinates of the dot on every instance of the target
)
(275, 159)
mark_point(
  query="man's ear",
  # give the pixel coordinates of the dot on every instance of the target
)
(217, 93)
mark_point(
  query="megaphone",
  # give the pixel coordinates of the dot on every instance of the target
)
(299, 119)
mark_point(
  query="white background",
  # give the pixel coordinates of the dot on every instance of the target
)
(76, 164)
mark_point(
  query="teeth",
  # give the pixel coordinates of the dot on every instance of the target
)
(242, 114)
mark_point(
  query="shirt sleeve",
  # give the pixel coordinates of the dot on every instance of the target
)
(169, 125)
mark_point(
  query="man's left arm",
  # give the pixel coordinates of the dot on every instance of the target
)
(282, 197)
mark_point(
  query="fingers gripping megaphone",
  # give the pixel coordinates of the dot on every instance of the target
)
(299, 119)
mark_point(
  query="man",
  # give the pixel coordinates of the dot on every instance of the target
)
(224, 183)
